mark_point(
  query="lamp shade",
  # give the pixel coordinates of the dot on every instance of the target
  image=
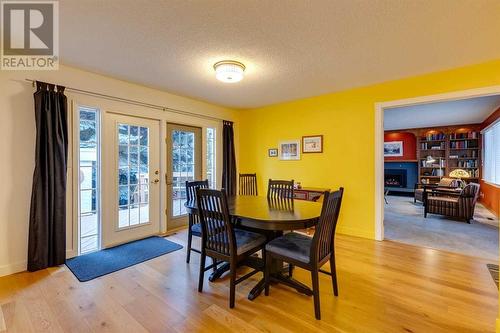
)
(459, 173)
(430, 159)
(229, 71)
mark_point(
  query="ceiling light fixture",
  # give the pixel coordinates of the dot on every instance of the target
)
(229, 71)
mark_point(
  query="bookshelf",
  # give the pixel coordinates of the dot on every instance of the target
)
(451, 149)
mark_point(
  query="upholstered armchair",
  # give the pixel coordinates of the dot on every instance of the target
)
(445, 184)
(458, 205)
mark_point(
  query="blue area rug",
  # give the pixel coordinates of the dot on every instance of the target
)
(93, 265)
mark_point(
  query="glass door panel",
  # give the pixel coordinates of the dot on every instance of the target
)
(131, 170)
(184, 153)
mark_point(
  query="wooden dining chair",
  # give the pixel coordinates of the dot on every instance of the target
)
(247, 184)
(280, 189)
(194, 228)
(222, 242)
(310, 253)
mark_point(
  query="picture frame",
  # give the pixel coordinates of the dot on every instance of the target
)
(312, 144)
(289, 150)
(273, 152)
(393, 148)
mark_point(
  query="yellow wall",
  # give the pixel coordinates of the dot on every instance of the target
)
(346, 119)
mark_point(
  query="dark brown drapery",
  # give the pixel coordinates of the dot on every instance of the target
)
(47, 229)
(228, 159)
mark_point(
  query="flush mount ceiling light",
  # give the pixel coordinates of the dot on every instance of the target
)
(229, 71)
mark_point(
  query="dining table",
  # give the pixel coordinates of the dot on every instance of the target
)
(271, 217)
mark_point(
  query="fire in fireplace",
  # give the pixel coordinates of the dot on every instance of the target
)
(395, 178)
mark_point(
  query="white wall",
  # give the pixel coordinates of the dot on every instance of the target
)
(17, 142)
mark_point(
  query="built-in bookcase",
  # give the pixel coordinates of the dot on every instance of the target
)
(451, 148)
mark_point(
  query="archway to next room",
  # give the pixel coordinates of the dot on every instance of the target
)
(436, 160)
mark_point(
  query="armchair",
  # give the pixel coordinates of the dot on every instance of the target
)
(459, 205)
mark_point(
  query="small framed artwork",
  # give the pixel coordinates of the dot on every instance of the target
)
(312, 144)
(393, 148)
(289, 150)
(273, 152)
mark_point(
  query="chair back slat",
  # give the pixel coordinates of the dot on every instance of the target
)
(217, 231)
(247, 184)
(280, 189)
(191, 188)
(323, 239)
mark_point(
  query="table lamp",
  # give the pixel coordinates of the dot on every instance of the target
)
(459, 173)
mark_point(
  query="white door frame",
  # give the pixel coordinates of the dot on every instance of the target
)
(379, 138)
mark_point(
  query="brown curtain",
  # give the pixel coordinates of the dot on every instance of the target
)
(47, 229)
(228, 159)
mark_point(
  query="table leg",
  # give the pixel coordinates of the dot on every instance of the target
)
(257, 290)
(218, 272)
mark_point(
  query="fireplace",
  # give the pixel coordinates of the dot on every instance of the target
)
(395, 178)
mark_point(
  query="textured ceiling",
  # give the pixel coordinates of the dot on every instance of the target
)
(292, 49)
(466, 111)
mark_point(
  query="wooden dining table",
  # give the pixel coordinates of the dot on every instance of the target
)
(272, 217)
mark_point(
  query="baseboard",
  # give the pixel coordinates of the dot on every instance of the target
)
(356, 232)
(21, 266)
(13, 268)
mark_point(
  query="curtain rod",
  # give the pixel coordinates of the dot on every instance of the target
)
(134, 102)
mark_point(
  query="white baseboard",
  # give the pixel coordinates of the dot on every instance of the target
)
(21, 266)
(356, 232)
(13, 268)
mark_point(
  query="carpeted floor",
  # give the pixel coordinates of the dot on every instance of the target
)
(404, 222)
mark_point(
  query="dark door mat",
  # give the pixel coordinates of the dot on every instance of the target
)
(93, 265)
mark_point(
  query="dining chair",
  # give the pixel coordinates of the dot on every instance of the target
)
(280, 189)
(222, 242)
(194, 228)
(310, 253)
(247, 184)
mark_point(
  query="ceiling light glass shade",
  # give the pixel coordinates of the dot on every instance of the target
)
(459, 173)
(229, 71)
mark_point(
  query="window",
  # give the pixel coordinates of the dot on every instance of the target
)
(211, 158)
(133, 175)
(491, 166)
(89, 185)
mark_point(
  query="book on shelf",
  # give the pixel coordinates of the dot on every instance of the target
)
(467, 164)
(432, 145)
(434, 137)
(461, 136)
(463, 144)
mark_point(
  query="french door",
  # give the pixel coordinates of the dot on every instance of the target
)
(131, 179)
(184, 163)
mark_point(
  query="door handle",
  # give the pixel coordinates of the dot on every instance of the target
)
(156, 181)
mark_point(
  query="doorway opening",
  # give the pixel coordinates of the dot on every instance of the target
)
(430, 169)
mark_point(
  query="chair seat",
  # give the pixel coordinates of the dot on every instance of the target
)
(247, 240)
(292, 245)
(432, 200)
(196, 229)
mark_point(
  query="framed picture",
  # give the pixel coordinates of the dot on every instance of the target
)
(393, 148)
(289, 150)
(312, 144)
(273, 152)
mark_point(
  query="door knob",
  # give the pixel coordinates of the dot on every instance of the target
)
(156, 181)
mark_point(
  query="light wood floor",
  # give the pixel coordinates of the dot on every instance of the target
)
(384, 287)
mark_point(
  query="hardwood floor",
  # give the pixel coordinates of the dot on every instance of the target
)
(384, 287)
